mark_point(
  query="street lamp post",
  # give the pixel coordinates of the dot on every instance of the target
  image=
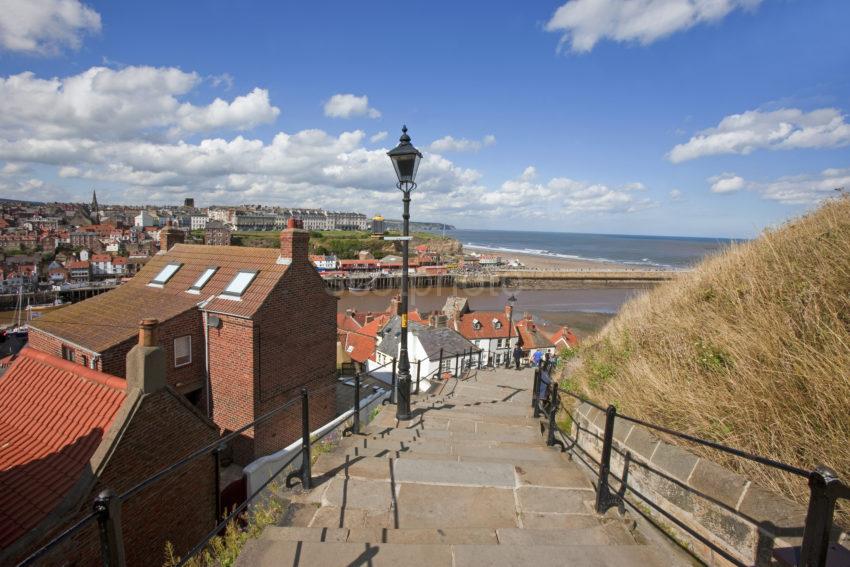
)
(511, 302)
(405, 160)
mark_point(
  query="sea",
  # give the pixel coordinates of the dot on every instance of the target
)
(670, 252)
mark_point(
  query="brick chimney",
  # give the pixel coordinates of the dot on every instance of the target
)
(293, 242)
(169, 236)
(146, 360)
(509, 311)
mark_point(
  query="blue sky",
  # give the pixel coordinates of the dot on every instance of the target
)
(682, 117)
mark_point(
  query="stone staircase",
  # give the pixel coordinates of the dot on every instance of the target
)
(468, 482)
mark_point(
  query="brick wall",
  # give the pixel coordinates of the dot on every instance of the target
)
(114, 360)
(179, 508)
(232, 375)
(297, 348)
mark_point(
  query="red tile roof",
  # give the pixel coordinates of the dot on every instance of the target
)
(564, 336)
(53, 415)
(111, 318)
(466, 325)
(79, 264)
(531, 336)
(359, 347)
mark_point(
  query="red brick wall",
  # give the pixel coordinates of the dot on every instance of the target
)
(114, 360)
(297, 348)
(232, 375)
(179, 508)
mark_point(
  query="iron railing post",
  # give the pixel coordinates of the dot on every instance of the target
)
(107, 506)
(393, 393)
(553, 410)
(217, 487)
(818, 518)
(479, 358)
(604, 498)
(440, 367)
(535, 399)
(306, 476)
(355, 427)
(418, 375)
(457, 374)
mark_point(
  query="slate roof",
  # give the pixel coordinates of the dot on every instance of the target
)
(432, 339)
(53, 416)
(111, 318)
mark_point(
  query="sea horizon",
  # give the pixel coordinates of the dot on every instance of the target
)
(671, 252)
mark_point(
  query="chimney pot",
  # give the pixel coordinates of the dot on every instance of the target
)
(146, 360)
(147, 332)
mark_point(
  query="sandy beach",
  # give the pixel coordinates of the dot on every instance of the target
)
(538, 262)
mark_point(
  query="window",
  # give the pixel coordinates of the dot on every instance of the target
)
(240, 283)
(182, 351)
(67, 353)
(164, 275)
(202, 280)
(84, 360)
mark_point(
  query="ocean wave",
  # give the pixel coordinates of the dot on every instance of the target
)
(548, 254)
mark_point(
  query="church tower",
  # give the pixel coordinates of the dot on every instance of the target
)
(95, 213)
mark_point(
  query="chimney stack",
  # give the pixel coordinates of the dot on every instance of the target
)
(169, 236)
(146, 360)
(293, 242)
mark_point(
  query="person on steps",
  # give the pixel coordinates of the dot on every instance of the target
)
(517, 355)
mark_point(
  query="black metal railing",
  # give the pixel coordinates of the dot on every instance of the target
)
(107, 505)
(825, 488)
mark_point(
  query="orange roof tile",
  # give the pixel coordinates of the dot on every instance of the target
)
(53, 415)
(112, 317)
(359, 347)
(466, 327)
(531, 336)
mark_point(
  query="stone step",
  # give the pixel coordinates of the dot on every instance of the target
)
(514, 453)
(262, 553)
(608, 534)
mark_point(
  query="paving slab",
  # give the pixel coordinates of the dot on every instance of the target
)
(595, 535)
(261, 553)
(345, 466)
(349, 517)
(278, 533)
(552, 475)
(553, 500)
(359, 493)
(537, 520)
(430, 506)
(554, 556)
(443, 536)
(455, 473)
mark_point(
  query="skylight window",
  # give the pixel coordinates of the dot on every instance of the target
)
(202, 280)
(165, 274)
(239, 284)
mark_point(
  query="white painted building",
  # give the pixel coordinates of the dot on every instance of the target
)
(144, 218)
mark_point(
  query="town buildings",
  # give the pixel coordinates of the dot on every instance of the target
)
(69, 432)
(216, 233)
(490, 331)
(243, 329)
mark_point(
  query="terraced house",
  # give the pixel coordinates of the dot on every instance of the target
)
(243, 329)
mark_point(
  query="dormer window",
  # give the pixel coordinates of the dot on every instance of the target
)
(496, 323)
(476, 324)
(239, 284)
(202, 280)
(164, 275)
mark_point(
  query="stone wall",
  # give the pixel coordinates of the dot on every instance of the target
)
(736, 521)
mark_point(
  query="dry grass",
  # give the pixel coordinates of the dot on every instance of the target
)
(752, 349)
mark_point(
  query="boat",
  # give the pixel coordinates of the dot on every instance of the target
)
(367, 287)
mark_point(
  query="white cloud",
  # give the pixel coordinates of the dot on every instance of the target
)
(115, 130)
(377, 137)
(243, 113)
(805, 189)
(586, 22)
(525, 197)
(45, 26)
(788, 128)
(103, 103)
(349, 105)
(223, 80)
(675, 195)
(451, 144)
(726, 183)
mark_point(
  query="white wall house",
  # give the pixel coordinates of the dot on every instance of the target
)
(144, 218)
(425, 345)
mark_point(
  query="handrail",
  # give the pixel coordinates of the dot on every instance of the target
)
(825, 488)
(713, 444)
(207, 449)
(40, 552)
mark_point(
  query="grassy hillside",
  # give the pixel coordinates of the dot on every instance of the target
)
(752, 349)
